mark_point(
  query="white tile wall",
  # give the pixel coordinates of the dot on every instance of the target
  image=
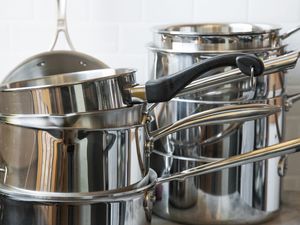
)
(116, 31)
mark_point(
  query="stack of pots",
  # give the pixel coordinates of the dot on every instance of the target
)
(241, 195)
(75, 147)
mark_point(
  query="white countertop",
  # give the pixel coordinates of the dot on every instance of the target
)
(289, 214)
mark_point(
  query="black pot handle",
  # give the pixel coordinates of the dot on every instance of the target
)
(165, 88)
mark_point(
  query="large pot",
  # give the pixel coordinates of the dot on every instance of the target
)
(123, 207)
(91, 152)
(177, 47)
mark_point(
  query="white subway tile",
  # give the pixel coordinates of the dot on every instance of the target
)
(95, 37)
(270, 11)
(17, 10)
(116, 10)
(45, 11)
(8, 62)
(168, 11)
(135, 61)
(220, 10)
(134, 37)
(77, 10)
(31, 38)
(5, 40)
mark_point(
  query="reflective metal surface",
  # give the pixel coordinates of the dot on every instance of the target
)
(85, 91)
(132, 207)
(109, 88)
(254, 199)
(217, 197)
(124, 208)
(130, 212)
(219, 36)
(71, 161)
(77, 156)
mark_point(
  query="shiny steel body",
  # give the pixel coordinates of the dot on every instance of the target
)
(105, 89)
(111, 208)
(234, 196)
(133, 207)
(241, 195)
(85, 91)
(91, 152)
(219, 36)
(73, 160)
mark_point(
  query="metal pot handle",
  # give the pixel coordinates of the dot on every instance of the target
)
(62, 25)
(220, 115)
(283, 148)
(289, 33)
(221, 135)
(283, 62)
(290, 100)
(165, 88)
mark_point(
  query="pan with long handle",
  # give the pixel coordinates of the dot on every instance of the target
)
(106, 89)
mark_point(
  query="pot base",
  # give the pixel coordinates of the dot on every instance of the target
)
(214, 210)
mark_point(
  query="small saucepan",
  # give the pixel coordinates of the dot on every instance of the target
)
(106, 89)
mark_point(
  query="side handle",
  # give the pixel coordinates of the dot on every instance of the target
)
(220, 115)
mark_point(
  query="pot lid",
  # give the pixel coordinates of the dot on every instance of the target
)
(66, 79)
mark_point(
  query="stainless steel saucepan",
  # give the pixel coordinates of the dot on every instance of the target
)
(106, 89)
(95, 151)
(55, 61)
(131, 207)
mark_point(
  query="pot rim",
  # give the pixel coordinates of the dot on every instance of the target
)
(67, 79)
(261, 29)
(117, 195)
(153, 48)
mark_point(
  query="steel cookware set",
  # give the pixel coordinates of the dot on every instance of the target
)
(86, 134)
(77, 139)
(214, 198)
(126, 207)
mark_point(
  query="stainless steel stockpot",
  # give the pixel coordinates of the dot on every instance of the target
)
(223, 197)
(106, 89)
(126, 207)
(93, 151)
(181, 49)
(219, 36)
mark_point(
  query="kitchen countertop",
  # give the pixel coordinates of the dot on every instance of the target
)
(289, 214)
